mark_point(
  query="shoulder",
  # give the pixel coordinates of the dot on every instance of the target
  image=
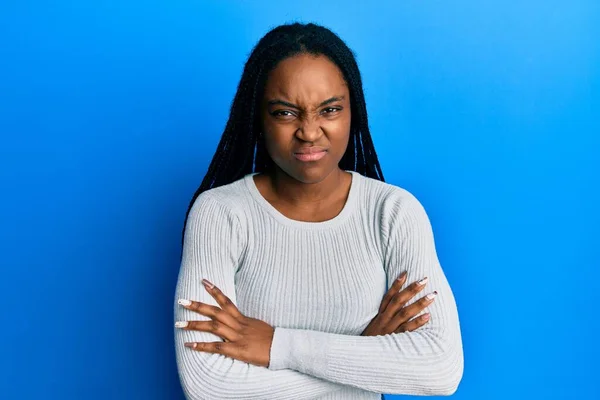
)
(392, 205)
(388, 198)
(214, 220)
(220, 203)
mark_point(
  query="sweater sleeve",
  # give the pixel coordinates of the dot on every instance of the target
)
(213, 244)
(427, 361)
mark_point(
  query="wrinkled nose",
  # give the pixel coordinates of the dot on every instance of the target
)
(309, 131)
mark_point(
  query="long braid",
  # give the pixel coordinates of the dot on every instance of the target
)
(242, 150)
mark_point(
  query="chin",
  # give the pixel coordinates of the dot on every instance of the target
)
(309, 174)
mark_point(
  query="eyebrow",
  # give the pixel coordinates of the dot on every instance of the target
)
(324, 103)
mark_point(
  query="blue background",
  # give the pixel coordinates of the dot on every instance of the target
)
(110, 112)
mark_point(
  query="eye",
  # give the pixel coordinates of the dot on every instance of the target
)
(331, 110)
(282, 113)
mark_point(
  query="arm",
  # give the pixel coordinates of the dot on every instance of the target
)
(428, 361)
(213, 243)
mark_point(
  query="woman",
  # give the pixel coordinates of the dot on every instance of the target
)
(304, 249)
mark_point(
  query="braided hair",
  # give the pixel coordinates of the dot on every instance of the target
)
(242, 149)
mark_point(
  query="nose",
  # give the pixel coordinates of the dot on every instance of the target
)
(309, 131)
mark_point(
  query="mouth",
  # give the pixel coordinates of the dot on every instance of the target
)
(311, 154)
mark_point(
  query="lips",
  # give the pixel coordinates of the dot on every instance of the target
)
(313, 153)
(310, 150)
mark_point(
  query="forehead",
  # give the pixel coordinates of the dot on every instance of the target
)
(305, 77)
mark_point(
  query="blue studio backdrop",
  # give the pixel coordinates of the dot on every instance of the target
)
(110, 112)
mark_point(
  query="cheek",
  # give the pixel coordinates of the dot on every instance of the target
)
(276, 144)
(340, 134)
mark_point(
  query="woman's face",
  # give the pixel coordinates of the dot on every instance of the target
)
(306, 108)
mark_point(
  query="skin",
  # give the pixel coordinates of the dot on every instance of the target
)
(306, 103)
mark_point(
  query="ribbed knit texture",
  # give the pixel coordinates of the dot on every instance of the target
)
(319, 284)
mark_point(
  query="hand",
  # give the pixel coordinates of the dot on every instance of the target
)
(392, 317)
(246, 339)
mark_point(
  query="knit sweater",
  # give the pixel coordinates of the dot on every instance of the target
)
(319, 284)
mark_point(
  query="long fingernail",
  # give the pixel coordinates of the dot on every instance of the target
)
(181, 324)
(431, 295)
(423, 281)
(207, 284)
(401, 276)
(184, 302)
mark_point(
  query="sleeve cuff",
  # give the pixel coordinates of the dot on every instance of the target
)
(280, 349)
(298, 349)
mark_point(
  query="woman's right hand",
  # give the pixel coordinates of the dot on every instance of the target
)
(393, 317)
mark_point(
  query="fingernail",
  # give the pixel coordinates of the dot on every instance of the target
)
(423, 281)
(426, 316)
(190, 345)
(184, 302)
(401, 276)
(208, 284)
(181, 324)
(431, 295)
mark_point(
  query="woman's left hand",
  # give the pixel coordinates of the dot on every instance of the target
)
(246, 339)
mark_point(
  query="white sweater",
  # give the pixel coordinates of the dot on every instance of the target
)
(318, 284)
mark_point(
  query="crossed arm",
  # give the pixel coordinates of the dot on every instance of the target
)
(304, 363)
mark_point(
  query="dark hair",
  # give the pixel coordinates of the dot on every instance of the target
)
(242, 150)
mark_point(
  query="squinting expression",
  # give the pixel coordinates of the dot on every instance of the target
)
(306, 105)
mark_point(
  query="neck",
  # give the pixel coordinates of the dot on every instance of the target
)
(297, 193)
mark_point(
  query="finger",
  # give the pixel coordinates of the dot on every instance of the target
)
(414, 323)
(395, 288)
(402, 297)
(408, 312)
(199, 307)
(215, 327)
(226, 349)
(213, 312)
(223, 301)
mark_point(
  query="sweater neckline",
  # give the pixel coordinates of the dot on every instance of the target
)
(339, 218)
